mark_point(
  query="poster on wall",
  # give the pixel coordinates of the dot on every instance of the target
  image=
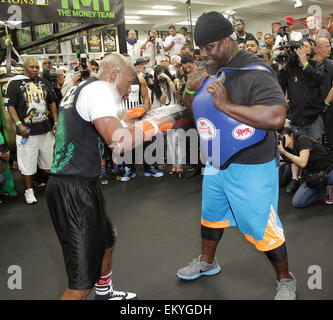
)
(75, 44)
(94, 43)
(109, 40)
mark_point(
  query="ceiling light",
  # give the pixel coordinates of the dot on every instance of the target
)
(132, 17)
(164, 7)
(298, 4)
(133, 21)
(157, 13)
(230, 12)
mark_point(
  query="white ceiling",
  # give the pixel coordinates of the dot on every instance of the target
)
(245, 9)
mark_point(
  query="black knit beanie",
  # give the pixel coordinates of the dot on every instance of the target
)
(211, 27)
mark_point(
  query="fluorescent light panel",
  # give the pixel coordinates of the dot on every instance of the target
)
(163, 7)
(130, 21)
(157, 13)
(132, 17)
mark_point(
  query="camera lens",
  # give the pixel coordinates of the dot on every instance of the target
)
(162, 80)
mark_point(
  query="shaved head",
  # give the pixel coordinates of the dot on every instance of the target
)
(31, 68)
(114, 61)
(116, 69)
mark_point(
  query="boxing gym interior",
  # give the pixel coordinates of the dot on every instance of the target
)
(157, 218)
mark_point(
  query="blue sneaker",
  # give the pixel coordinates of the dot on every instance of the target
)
(153, 172)
(128, 175)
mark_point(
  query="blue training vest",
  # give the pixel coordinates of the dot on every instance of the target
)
(221, 137)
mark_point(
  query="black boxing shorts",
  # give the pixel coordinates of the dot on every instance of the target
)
(77, 209)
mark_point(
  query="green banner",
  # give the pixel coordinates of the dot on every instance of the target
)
(82, 11)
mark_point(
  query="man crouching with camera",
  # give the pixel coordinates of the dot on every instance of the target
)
(316, 164)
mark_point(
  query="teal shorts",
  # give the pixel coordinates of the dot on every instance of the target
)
(245, 196)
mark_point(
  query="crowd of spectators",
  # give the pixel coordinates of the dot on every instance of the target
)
(303, 68)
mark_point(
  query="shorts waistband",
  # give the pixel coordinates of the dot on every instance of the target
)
(80, 179)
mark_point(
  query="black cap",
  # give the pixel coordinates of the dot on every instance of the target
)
(211, 27)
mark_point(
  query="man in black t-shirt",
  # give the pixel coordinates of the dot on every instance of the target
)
(31, 103)
(242, 36)
(245, 192)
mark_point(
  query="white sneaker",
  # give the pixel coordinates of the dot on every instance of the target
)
(106, 292)
(30, 196)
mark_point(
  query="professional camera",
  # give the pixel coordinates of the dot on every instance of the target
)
(289, 47)
(84, 73)
(152, 38)
(162, 81)
(51, 76)
(149, 77)
(282, 138)
(183, 80)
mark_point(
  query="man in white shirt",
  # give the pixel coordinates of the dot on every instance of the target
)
(174, 42)
(89, 112)
(153, 48)
(314, 31)
(294, 35)
(133, 46)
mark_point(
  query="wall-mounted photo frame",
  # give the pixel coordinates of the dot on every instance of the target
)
(94, 42)
(109, 41)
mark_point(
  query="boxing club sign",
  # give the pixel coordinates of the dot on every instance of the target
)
(84, 11)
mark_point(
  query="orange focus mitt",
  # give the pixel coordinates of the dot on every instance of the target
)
(148, 126)
(165, 127)
(137, 112)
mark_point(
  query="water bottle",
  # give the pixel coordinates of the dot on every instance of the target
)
(24, 140)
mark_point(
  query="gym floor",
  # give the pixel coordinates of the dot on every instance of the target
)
(158, 226)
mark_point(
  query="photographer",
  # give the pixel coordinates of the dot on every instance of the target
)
(81, 73)
(153, 48)
(56, 80)
(288, 25)
(301, 78)
(165, 90)
(316, 163)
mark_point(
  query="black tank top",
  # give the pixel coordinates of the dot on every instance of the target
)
(78, 147)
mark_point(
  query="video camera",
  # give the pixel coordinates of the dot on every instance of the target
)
(51, 76)
(290, 46)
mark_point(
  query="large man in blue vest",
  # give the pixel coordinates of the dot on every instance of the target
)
(237, 117)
